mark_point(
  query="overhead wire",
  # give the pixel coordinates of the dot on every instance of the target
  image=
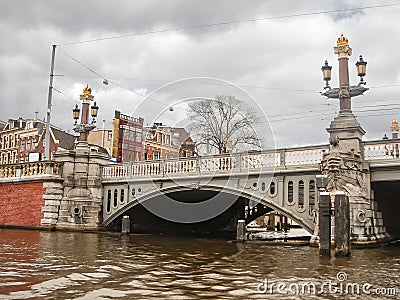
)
(100, 76)
(232, 22)
(65, 95)
(296, 115)
(242, 85)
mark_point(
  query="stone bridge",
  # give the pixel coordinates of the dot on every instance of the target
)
(283, 180)
(80, 190)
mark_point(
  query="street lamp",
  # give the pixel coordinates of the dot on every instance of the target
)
(94, 111)
(326, 72)
(361, 69)
(344, 92)
(84, 127)
(76, 111)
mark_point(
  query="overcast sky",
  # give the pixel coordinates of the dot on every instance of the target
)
(273, 63)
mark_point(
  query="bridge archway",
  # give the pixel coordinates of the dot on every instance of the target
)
(235, 201)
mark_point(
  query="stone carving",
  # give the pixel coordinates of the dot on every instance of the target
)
(344, 92)
(344, 171)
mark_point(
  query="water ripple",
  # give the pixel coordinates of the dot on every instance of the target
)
(60, 265)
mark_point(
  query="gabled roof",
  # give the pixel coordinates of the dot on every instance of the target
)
(181, 135)
(65, 139)
(2, 125)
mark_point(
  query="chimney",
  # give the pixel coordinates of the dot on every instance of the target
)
(395, 129)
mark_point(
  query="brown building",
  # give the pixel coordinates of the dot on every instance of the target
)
(101, 137)
(129, 141)
(23, 140)
(181, 138)
(127, 138)
(158, 143)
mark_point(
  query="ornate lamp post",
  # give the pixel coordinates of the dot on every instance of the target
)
(84, 127)
(344, 92)
(343, 163)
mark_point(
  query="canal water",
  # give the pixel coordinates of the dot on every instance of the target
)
(74, 265)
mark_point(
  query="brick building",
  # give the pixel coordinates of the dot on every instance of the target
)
(129, 141)
(127, 138)
(23, 140)
(101, 137)
(181, 138)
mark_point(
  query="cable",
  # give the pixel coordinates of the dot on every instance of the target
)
(300, 115)
(201, 83)
(231, 22)
(100, 76)
(66, 96)
(384, 86)
(79, 62)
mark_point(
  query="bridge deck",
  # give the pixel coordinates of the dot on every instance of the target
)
(281, 160)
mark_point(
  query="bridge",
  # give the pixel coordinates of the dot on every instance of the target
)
(80, 190)
(263, 178)
(283, 180)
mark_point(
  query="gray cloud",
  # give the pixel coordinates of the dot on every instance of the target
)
(283, 54)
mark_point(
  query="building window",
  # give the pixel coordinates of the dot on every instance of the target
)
(156, 155)
(28, 145)
(290, 191)
(22, 147)
(301, 194)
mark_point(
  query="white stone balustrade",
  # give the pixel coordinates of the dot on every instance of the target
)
(307, 156)
(217, 163)
(383, 149)
(29, 169)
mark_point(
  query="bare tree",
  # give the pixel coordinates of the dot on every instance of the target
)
(222, 123)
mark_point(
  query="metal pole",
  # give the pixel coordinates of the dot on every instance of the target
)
(103, 133)
(47, 136)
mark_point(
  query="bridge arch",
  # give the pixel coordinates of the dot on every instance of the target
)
(265, 200)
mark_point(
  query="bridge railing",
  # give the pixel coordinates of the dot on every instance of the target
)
(382, 149)
(219, 163)
(304, 156)
(29, 169)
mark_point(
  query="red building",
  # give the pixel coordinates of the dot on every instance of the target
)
(127, 137)
(158, 143)
(23, 140)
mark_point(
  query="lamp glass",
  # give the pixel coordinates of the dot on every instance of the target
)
(326, 71)
(94, 110)
(327, 74)
(76, 112)
(361, 67)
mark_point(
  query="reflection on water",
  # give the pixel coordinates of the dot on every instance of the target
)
(72, 265)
